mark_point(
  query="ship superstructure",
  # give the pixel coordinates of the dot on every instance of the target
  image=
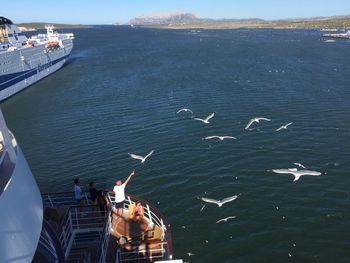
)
(24, 61)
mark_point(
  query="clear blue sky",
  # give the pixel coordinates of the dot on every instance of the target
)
(109, 11)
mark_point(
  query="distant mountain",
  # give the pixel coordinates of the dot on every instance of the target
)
(164, 18)
(189, 20)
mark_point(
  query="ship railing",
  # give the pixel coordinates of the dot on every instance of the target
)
(144, 254)
(49, 244)
(153, 215)
(82, 227)
(102, 254)
(46, 241)
(63, 199)
(76, 222)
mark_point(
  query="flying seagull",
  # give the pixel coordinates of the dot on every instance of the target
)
(284, 126)
(225, 219)
(221, 138)
(297, 174)
(190, 254)
(220, 203)
(141, 158)
(201, 208)
(184, 109)
(300, 165)
(255, 120)
(206, 120)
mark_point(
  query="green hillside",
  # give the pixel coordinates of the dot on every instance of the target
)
(41, 25)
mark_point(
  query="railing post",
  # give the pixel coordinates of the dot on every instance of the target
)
(65, 245)
(76, 217)
(48, 196)
(149, 213)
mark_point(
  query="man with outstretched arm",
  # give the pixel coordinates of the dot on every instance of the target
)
(119, 191)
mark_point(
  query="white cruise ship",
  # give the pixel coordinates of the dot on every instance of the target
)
(52, 228)
(24, 61)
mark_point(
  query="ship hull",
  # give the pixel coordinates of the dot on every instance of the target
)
(26, 66)
(21, 215)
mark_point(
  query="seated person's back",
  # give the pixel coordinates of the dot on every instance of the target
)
(138, 212)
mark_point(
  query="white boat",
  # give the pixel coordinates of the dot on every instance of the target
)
(24, 61)
(51, 228)
(345, 35)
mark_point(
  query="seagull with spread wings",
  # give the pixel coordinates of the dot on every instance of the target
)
(297, 173)
(220, 203)
(185, 110)
(257, 120)
(221, 138)
(141, 158)
(206, 120)
(225, 219)
(284, 126)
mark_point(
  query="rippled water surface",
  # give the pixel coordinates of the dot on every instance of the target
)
(120, 92)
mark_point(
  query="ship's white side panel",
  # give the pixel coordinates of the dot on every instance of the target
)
(33, 64)
(21, 215)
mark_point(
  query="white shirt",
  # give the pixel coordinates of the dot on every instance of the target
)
(77, 192)
(119, 193)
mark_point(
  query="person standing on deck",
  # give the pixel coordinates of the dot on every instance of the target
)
(78, 193)
(119, 191)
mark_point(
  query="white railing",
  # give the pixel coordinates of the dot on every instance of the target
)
(104, 242)
(143, 254)
(64, 199)
(47, 243)
(89, 220)
(155, 218)
(149, 214)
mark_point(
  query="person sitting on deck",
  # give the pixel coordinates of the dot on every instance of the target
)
(119, 191)
(138, 212)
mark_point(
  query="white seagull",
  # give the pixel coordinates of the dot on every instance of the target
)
(300, 165)
(206, 120)
(190, 254)
(220, 203)
(297, 174)
(201, 209)
(184, 109)
(141, 158)
(221, 138)
(255, 120)
(284, 126)
(225, 219)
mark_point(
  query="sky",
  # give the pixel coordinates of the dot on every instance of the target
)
(111, 11)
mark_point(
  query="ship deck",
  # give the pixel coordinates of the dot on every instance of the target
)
(87, 233)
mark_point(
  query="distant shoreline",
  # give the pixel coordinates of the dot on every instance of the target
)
(41, 25)
(200, 23)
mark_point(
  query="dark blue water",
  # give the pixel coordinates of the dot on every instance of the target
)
(120, 92)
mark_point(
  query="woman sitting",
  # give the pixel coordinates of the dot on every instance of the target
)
(137, 212)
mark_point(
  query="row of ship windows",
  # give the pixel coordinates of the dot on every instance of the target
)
(11, 69)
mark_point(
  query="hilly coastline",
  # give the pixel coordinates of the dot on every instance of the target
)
(41, 25)
(188, 20)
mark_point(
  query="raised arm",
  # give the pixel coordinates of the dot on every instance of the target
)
(129, 177)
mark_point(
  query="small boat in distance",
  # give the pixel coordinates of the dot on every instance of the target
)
(345, 35)
(24, 61)
(329, 29)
